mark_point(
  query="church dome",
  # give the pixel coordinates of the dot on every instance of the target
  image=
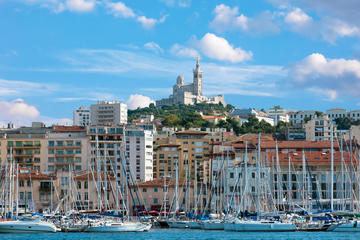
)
(180, 80)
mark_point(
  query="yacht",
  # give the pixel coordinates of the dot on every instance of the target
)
(112, 226)
(18, 226)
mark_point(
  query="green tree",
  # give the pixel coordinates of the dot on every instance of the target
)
(171, 120)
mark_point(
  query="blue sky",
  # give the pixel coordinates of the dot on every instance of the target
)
(56, 55)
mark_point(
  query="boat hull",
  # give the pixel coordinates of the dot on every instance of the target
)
(345, 227)
(120, 227)
(26, 227)
(261, 227)
(212, 225)
(178, 224)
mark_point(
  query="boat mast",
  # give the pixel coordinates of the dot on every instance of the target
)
(195, 188)
(258, 179)
(176, 186)
(98, 172)
(305, 198)
(289, 182)
(246, 177)
(332, 169)
(342, 170)
(17, 190)
(117, 181)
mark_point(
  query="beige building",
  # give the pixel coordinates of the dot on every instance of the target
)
(319, 129)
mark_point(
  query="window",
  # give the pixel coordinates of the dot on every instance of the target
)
(231, 176)
(144, 190)
(156, 189)
(156, 201)
(86, 196)
(78, 196)
(86, 184)
(29, 196)
(21, 196)
(50, 159)
(21, 183)
(51, 168)
(78, 184)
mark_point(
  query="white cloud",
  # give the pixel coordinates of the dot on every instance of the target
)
(333, 76)
(58, 6)
(153, 46)
(182, 51)
(219, 48)
(16, 88)
(148, 23)
(17, 110)
(119, 9)
(81, 5)
(297, 17)
(137, 100)
(180, 3)
(228, 18)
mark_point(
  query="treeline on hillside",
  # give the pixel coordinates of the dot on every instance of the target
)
(180, 110)
(187, 116)
(344, 123)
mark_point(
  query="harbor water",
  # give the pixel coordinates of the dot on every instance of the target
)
(171, 234)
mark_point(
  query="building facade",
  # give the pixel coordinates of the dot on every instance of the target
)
(81, 116)
(108, 113)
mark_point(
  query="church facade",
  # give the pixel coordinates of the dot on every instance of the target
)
(190, 93)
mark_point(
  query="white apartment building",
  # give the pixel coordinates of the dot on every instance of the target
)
(335, 113)
(81, 116)
(108, 113)
(139, 152)
(278, 114)
(245, 113)
(300, 116)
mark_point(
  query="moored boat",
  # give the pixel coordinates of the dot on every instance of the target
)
(17, 226)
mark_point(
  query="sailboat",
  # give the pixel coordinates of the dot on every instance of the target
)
(258, 225)
(16, 225)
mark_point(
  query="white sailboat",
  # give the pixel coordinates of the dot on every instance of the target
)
(112, 226)
(18, 226)
(352, 226)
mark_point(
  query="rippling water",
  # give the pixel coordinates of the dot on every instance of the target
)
(170, 234)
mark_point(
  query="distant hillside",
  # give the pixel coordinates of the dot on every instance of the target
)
(181, 110)
(188, 116)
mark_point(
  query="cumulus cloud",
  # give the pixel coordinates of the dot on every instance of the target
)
(332, 76)
(81, 5)
(228, 18)
(58, 6)
(297, 17)
(174, 3)
(182, 51)
(148, 23)
(119, 9)
(137, 100)
(17, 110)
(153, 46)
(219, 48)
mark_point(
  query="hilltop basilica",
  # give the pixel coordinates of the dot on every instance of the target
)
(190, 93)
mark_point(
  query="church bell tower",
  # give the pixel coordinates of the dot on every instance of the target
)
(197, 80)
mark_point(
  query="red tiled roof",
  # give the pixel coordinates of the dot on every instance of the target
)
(159, 182)
(69, 129)
(298, 144)
(312, 158)
(190, 132)
(213, 117)
(27, 173)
